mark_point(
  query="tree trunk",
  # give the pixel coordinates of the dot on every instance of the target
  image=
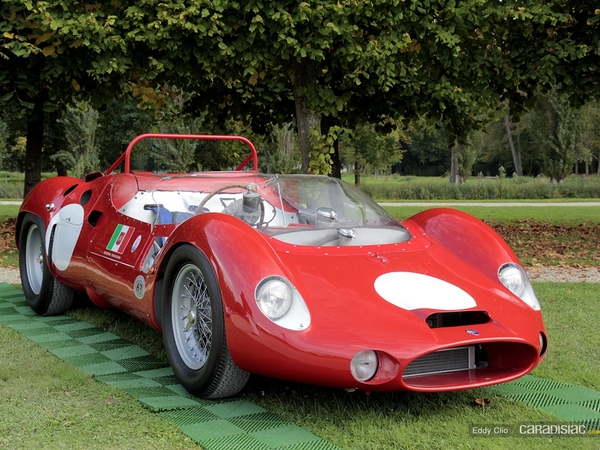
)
(516, 158)
(33, 148)
(356, 173)
(306, 120)
(518, 147)
(454, 178)
(61, 169)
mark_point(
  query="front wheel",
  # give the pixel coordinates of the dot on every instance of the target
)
(44, 294)
(194, 328)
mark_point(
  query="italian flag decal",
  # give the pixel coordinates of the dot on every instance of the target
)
(120, 238)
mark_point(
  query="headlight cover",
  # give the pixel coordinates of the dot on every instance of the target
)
(364, 365)
(282, 303)
(274, 297)
(516, 280)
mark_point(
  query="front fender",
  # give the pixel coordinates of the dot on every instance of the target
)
(240, 258)
(467, 238)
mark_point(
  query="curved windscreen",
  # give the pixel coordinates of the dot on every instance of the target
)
(298, 209)
(317, 211)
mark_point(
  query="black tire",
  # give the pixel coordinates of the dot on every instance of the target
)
(44, 294)
(194, 327)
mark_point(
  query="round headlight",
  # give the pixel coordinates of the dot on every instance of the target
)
(274, 297)
(364, 365)
(513, 277)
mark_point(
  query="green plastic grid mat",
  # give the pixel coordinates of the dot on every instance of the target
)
(566, 401)
(224, 424)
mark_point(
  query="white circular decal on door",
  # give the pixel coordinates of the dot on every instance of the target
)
(409, 290)
(139, 287)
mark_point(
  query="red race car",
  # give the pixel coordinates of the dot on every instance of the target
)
(298, 277)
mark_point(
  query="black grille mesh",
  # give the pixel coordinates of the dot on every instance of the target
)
(450, 360)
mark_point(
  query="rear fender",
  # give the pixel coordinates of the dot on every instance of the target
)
(49, 192)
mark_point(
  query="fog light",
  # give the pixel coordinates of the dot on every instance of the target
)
(364, 365)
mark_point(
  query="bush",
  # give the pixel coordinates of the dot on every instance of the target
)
(517, 188)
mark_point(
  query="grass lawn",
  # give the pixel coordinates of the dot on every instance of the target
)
(570, 215)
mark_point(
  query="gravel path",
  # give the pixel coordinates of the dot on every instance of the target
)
(559, 274)
(8, 275)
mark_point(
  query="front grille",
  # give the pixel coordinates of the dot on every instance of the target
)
(448, 360)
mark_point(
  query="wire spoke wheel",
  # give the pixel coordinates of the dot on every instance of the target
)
(191, 317)
(194, 327)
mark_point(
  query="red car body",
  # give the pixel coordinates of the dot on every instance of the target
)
(421, 305)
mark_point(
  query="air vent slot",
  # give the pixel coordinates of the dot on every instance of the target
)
(71, 189)
(94, 217)
(85, 197)
(457, 319)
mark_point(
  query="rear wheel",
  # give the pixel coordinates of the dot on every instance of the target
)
(44, 294)
(194, 328)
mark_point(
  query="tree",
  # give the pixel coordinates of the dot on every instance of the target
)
(371, 151)
(281, 150)
(52, 52)
(559, 131)
(80, 123)
(590, 115)
(329, 64)
(351, 62)
(426, 151)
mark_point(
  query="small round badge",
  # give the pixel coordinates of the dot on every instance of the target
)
(139, 287)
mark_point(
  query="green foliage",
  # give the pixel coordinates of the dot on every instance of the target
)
(321, 150)
(176, 156)
(366, 60)
(119, 123)
(590, 115)
(558, 128)
(55, 48)
(468, 153)
(372, 151)
(281, 150)
(427, 152)
(80, 123)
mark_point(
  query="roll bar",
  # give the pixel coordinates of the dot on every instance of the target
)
(126, 156)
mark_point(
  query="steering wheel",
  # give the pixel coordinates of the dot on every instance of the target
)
(230, 186)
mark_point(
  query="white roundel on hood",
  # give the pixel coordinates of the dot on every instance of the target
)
(410, 291)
